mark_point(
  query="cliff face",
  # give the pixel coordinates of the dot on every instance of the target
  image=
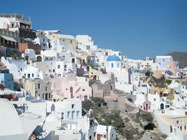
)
(181, 57)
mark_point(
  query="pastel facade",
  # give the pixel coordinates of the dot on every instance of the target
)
(38, 88)
(166, 64)
(69, 40)
(71, 87)
(173, 123)
(162, 60)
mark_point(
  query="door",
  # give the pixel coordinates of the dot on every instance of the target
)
(98, 137)
(146, 107)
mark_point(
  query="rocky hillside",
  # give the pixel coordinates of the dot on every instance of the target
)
(181, 57)
(141, 126)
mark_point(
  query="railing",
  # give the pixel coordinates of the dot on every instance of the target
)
(17, 16)
(9, 33)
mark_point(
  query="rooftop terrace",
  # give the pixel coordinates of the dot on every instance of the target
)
(17, 16)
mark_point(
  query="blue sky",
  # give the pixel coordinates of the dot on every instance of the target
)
(137, 28)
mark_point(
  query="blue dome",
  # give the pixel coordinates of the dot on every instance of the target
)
(136, 70)
(113, 58)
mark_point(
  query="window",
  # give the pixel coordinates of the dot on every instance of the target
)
(118, 65)
(58, 66)
(112, 65)
(68, 114)
(70, 41)
(45, 88)
(32, 75)
(87, 47)
(154, 99)
(83, 89)
(28, 75)
(38, 86)
(65, 66)
(73, 113)
(77, 113)
(73, 60)
(177, 122)
(46, 96)
(72, 106)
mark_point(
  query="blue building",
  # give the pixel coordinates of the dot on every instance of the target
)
(7, 80)
(162, 60)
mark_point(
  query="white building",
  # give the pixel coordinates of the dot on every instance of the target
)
(85, 43)
(16, 67)
(32, 72)
(114, 64)
(173, 122)
(42, 40)
(29, 54)
(151, 102)
(14, 126)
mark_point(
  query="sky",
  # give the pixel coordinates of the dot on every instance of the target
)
(137, 28)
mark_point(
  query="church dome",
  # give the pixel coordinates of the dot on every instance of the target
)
(113, 58)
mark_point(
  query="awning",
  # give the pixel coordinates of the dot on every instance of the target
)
(8, 38)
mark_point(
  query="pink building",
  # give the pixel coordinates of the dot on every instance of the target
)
(171, 66)
(71, 87)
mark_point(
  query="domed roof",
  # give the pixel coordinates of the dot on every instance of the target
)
(113, 58)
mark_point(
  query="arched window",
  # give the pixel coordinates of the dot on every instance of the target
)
(77, 114)
(112, 65)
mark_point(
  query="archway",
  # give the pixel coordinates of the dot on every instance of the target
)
(39, 58)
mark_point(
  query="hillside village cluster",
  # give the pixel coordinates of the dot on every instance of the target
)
(46, 75)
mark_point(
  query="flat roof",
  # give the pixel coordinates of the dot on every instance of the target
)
(15, 15)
